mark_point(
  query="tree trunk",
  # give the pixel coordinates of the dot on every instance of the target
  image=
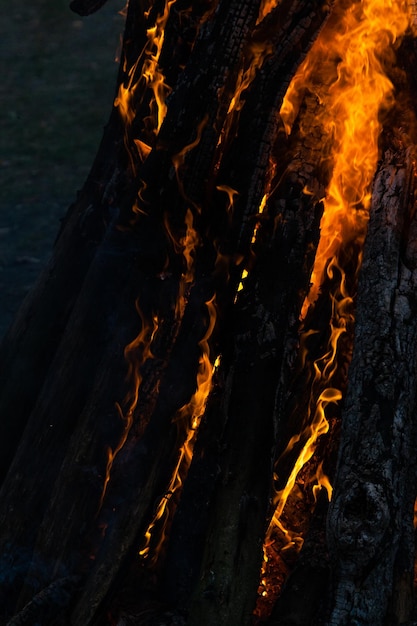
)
(372, 508)
(194, 238)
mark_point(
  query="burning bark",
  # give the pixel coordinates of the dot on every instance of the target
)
(371, 514)
(179, 434)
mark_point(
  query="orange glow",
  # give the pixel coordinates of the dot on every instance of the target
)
(259, 52)
(345, 71)
(188, 420)
(136, 354)
(266, 7)
(231, 193)
(179, 158)
(152, 72)
(154, 79)
(143, 149)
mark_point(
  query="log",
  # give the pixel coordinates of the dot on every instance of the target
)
(30, 345)
(83, 458)
(372, 509)
(227, 583)
(85, 344)
(230, 435)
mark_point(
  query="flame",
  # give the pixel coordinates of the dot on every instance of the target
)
(245, 273)
(136, 354)
(266, 7)
(143, 149)
(152, 73)
(354, 97)
(231, 193)
(345, 69)
(154, 80)
(188, 420)
(178, 159)
(313, 431)
(259, 51)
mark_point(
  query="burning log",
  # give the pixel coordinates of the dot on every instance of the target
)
(204, 273)
(41, 321)
(371, 514)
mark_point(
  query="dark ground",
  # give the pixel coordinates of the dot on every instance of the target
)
(58, 75)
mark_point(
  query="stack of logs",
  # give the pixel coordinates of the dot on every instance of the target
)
(69, 550)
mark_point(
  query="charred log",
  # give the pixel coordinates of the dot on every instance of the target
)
(196, 233)
(373, 501)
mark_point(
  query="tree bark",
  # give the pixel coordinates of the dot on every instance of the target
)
(27, 351)
(374, 485)
(91, 451)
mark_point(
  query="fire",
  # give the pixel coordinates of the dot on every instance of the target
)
(345, 69)
(266, 7)
(357, 91)
(136, 354)
(153, 78)
(179, 158)
(188, 420)
(152, 72)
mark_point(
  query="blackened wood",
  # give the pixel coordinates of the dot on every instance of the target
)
(82, 349)
(373, 498)
(144, 466)
(285, 35)
(27, 489)
(302, 598)
(270, 301)
(30, 345)
(281, 258)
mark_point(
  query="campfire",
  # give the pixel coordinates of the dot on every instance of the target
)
(219, 422)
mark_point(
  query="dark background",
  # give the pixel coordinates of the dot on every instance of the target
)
(58, 74)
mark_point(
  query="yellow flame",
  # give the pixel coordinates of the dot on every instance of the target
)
(351, 104)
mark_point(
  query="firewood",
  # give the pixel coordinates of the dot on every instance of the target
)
(373, 499)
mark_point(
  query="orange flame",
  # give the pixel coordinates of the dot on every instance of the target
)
(179, 158)
(188, 420)
(152, 72)
(231, 193)
(345, 70)
(136, 353)
(154, 80)
(266, 7)
(350, 114)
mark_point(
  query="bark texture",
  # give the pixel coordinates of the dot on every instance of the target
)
(115, 341)
(374, 485)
